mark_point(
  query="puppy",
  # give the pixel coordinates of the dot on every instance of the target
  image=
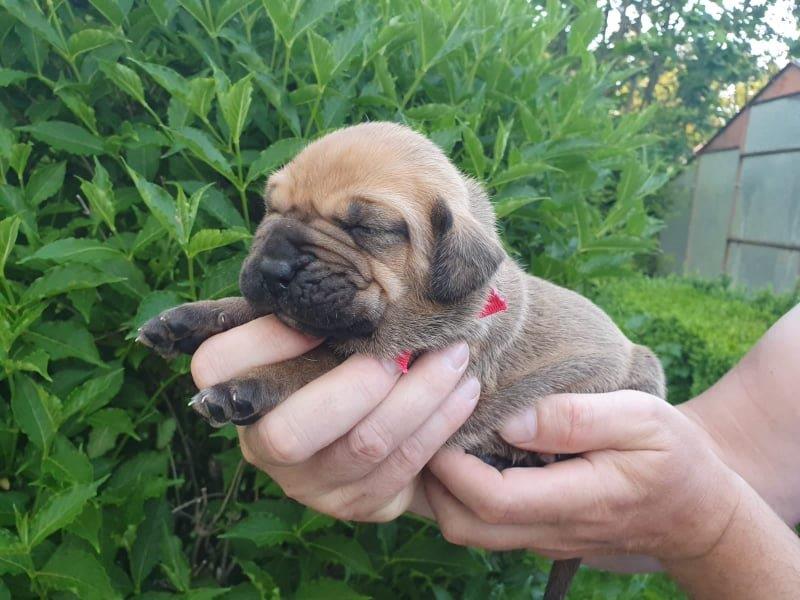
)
(374, 240)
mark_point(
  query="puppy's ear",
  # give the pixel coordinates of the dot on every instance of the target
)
(464, 255)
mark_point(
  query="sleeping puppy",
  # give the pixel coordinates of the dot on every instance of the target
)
(373, 240)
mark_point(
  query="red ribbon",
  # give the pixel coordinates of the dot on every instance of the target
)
(495, 303)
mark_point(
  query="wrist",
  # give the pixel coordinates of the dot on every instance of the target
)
(753, 542)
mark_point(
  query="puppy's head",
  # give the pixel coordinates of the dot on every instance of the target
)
(367, 225)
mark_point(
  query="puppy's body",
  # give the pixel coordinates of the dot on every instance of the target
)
(375, 241)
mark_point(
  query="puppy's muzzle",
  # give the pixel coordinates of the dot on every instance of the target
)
(309, 286)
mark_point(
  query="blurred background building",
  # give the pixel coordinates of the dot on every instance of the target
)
(736, 208)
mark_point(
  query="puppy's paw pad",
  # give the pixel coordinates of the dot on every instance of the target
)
(238, 402)
(181, 329)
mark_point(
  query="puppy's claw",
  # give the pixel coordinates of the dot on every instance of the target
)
(239, 402)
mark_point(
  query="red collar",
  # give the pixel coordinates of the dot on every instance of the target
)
(495, 303)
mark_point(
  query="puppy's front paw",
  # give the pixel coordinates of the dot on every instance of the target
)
(238, 401)
(183, 328)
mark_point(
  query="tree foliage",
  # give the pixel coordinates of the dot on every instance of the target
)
(695, 62)
(134, 139)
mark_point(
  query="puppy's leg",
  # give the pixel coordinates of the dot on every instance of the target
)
(243, 400)
(185, 327)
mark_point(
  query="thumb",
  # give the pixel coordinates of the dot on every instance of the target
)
(574, 423)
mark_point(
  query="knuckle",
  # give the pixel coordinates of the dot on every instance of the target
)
(576, 417)
(281, 445)
(370, 442)
(411, 454)
(493, 508)
(453, 533)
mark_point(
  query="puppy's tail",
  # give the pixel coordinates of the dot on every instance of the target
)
(560, 578)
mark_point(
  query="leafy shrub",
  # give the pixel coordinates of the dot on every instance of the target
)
(699, 329)
(134, 138)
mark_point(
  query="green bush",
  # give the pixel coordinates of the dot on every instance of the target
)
(134, 139)
(699, 329)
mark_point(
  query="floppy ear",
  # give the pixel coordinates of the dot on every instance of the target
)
(464, 255)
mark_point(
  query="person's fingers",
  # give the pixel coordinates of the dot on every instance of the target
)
(568, 490)
(459, 525)
(574, 423)
(262, 341)
(320, 412)
(410, 403)
(384, 493)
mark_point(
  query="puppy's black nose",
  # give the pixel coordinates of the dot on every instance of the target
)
(279, 270)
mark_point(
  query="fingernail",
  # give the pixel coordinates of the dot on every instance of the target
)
(457, 356)
(469, 390)
(520, 428)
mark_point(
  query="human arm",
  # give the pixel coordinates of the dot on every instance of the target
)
(351, 443)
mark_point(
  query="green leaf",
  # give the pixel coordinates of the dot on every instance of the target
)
(158, 200)
(11, 77)
(173, 560)
(67, 464)
(86, 40)
(281, 18)
(44, 182)
(79, 108)
(219, 206)
(19, 158)
(100, 195)
(64, 339)
(14, 557)
(73, 570)
(80, 250)
(107, 424)
(66, 136)
(95, 393)
(228, 10)
(235, 104)
(345, 551)
(65, 278)
(521, 171)
(125, 79)
(260, 579)
(37, 412)
(323, 589)
(59, 510)
(167, 78)
(87, 525)
(196, 9)
(34, 361)
(474, 149)
(273, 157)
(500, 143)
(30, 14)
(146, 551)
(321, 57)
(200, 94)
(110, 9)
(261, 529)
(9, 228)
(209, 239)
(201, 146)
(187, 212)
(506, 206)
(432, 551)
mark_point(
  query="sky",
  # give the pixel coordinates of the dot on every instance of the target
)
(779, 17)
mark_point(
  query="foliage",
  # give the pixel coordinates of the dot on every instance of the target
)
(134, 138)
(684, 58)
(699, 329)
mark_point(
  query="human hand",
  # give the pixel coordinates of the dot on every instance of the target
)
(352, 443)
(647, 481)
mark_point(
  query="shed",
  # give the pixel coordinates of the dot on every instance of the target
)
(736, 207)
